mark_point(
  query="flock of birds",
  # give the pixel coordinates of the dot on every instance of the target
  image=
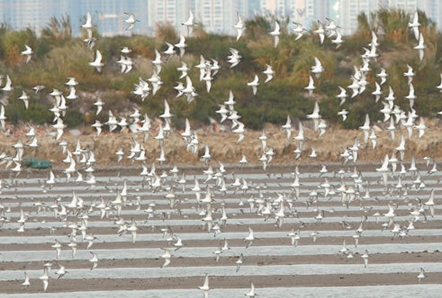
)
(77, 214)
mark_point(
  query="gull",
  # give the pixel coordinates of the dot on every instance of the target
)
(179, 242)
(130, 20)
(421, 275)
(409, 124)
(342, 95)
(230, 102)
(331, 27)
(126, 50)
(420, 47)
(38, 88)
(94, 260)
(189, 22)
(315, 116)
(269, 72)
(133, 230)
(343, 113)
(440, 85)
(240, 26)
(372, 137)
(51, 179)
(275, 33)
(26, 283)
(414, 25)
(166, 256)
(112, 122)
(294, 237)
(300, 137)
(234, 58)
(322, 126)
(189, 90)
(365, 257)
(240, 130)
(252, 291)
(72, 82)
(383, 75)
(73, 244)
(317, 69)
(156, 81)
(88, 23)
(401, 148)
(225, 246)
(206, 157)
(170, 51)
(390, 98)
(218, 252)
(254, 84)
(90, 40)
(208, 79)
(202, 67)
(45, 278)
(421, 127)
(166, 115)
(33, 143)
(157, 61)
(299, 30)
(215, 67)
(126, 64)
(59, 126)
(338, 40)
(288, 127)
(386, 110)
(8, 85)
(61, 272)
(239, 262)
(243, 160)
(136, 116)
(28, 53)
(344, 250)
(223, 112)
(409, 74)
(25, 99)
(250, 238)
(354, 86)
(72, 93)
(97, 63)
(377, 92)
(433, 169)
(320, 31)
(311, 86)
(181, 45)
(365, 128)
(430, 203)
(205, 287)
(179, 88)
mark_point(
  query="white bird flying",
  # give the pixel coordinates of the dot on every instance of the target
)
(275, 33)
(130, 20)
(240, 26)
(97, 63)
(28, 53)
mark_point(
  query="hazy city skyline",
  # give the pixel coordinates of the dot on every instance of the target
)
(217, 16)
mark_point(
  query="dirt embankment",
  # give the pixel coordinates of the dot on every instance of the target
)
(224, 147)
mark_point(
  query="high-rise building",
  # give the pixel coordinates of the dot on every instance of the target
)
(349, 10)
(107, 15)
(216, 16)
(407, 5)
(174, 12)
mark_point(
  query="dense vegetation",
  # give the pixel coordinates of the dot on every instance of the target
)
(58, 55)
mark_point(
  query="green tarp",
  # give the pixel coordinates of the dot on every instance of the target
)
(32, 162)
